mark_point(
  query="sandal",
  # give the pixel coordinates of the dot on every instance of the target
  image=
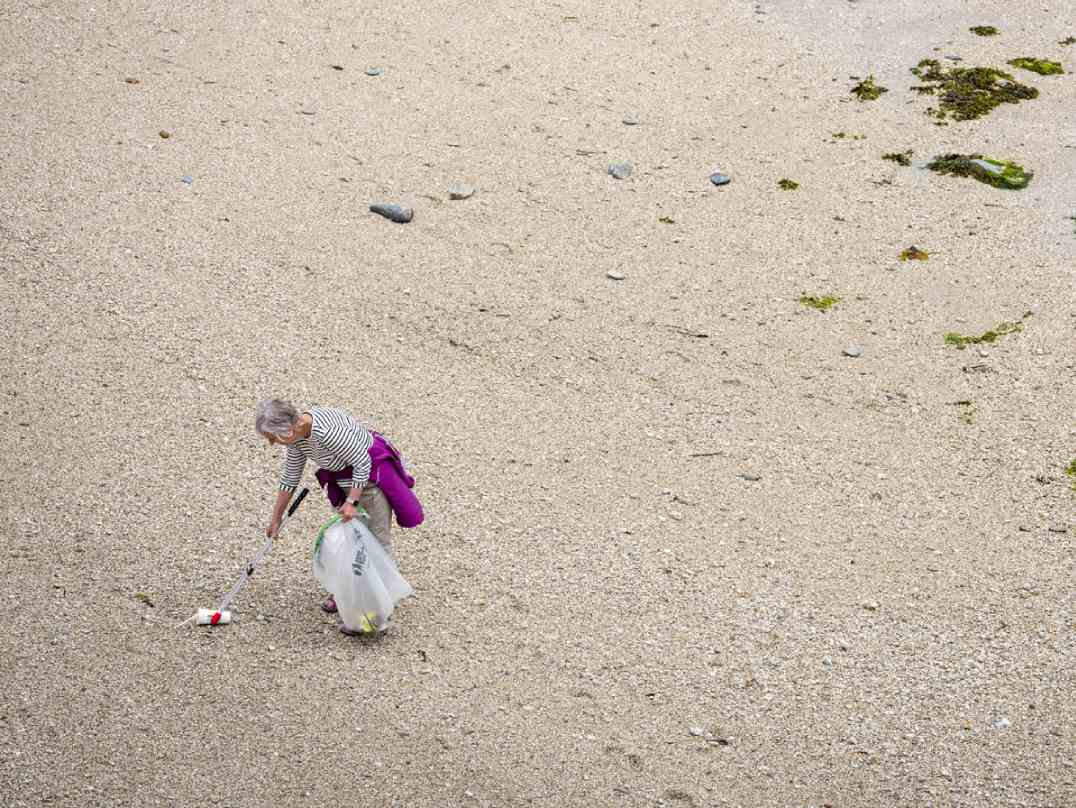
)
(329, 606)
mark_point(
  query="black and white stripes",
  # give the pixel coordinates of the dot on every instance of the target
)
(336, 441)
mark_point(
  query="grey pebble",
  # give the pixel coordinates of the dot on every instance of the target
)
(717, 178)
(374, 71)
(396, 213)
(853, 351)
(620, 171)
(1002, 723)
(612, 274)
(459, 190)
(751, 478)
(631, 120)
(697, 732)
(187, 179)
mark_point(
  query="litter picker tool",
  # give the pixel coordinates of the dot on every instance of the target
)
(204, 617)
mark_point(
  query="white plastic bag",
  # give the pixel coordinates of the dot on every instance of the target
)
(351, 563)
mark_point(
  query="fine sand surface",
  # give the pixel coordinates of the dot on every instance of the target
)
(679, 549)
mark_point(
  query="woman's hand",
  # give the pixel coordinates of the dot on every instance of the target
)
(274, 526)
(347, 512)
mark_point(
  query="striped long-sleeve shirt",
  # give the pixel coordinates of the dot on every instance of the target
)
(336, 441)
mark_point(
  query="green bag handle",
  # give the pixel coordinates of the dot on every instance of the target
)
(362, 512)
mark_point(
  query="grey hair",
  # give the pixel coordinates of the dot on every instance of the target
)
(274, 417)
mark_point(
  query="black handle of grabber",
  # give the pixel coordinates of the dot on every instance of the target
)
(298, 501)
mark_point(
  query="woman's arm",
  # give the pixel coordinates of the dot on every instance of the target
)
(282, 500)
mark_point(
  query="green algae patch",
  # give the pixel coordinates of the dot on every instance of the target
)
(913, 253)
(962, 341)
(998, 173)
(867, 90)
(787, 184)
(903, 158)
(984, 30)
(966, 93)
(824, 303)
(1069, 40)
(1070, 470)
(1044, 67)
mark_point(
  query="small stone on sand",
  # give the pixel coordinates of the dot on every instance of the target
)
(612, 274)
(620, 171)
(459, 190)
(396, 213)
(717, 178)
(854, 351)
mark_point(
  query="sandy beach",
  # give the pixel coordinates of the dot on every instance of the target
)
(689, 541)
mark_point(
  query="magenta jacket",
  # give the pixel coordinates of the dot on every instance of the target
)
(387, 472)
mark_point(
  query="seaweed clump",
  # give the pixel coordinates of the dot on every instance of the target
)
(965, 93)
(1044, 67)
(984, 30)
(787, 184)
(1070, 470)
(819, 303)
(867, 90)
(903, 158)
(913, 253)
(962, 341)
(998, 173)
(1069, 40)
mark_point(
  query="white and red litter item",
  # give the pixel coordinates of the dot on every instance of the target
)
(221, 617)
